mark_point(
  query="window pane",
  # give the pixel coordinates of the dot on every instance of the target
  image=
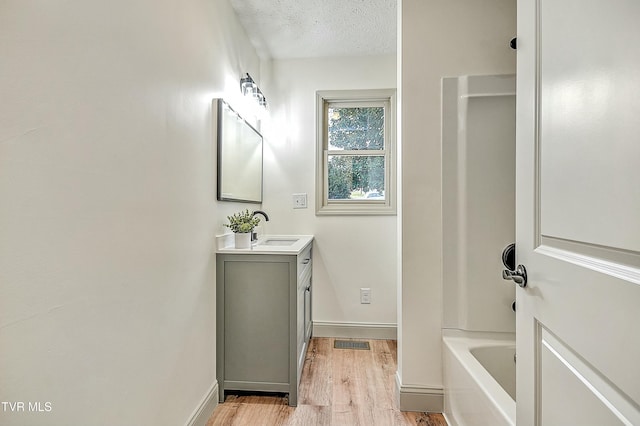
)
(354, 177)
(356, 128)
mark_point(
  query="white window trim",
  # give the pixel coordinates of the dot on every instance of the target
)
(355, 207)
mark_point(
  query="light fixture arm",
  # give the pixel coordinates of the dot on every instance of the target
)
(250, 89)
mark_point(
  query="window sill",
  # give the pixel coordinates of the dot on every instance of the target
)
(356, 210)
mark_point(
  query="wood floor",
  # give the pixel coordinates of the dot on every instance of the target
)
(339, 387)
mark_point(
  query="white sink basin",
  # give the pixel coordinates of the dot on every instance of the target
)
(277, 242)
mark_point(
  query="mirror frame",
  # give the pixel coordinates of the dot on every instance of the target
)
(225, 143)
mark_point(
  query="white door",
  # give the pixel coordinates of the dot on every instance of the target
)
(578, 212)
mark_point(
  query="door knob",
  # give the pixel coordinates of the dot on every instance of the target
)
(519, 276)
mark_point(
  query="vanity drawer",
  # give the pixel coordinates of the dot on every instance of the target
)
(304, 261)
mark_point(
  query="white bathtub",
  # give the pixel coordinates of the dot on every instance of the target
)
(479, 378)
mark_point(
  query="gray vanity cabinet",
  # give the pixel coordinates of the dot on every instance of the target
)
(263, 321)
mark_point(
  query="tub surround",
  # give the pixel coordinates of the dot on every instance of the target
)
(478, 180)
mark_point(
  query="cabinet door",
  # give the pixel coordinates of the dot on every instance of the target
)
(307, 312)
(300, 330)
(302, 340)
(256, 319)
(301, 347)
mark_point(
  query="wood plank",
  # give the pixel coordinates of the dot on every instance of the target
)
(383, 381)
(338, 387)
(305, 415)
(250, 410)
(317, 378)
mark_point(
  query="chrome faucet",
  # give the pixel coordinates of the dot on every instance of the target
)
(254, 234)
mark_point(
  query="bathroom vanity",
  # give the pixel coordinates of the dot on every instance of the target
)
(263, 299)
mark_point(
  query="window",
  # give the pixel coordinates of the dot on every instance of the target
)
(356, 146)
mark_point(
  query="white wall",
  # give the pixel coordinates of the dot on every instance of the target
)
(439, 38)
(108, 210)
(349, 252)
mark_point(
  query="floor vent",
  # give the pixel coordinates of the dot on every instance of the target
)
(351, 344)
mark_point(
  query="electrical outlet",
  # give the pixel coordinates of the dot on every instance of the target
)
(365, 296)
(300, 201)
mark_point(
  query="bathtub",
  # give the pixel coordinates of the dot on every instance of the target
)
(479, 378)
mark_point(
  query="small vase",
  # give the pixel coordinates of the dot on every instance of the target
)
(243, 240)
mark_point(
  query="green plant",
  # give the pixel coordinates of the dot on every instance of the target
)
(242, 222)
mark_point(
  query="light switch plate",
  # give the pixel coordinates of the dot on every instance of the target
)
(365, 296)
(300, 201)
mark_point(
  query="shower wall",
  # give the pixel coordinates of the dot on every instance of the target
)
(478, 201)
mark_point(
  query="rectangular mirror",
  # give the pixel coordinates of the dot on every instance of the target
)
(239, 157)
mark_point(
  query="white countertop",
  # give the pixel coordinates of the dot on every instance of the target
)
(226, 245)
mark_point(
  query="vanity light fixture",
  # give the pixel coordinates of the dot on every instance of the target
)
(250, 89)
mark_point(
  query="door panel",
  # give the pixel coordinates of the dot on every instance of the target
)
(588, 123)
(564, 373)
(578, 212)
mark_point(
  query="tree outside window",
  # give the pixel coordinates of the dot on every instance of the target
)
(360, 175)
(356, 147)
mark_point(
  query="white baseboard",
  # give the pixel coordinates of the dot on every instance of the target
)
(355, 330)
(450, 420)
(204, 410)
(419, 398)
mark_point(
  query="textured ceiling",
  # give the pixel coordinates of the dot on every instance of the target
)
(316, 28)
